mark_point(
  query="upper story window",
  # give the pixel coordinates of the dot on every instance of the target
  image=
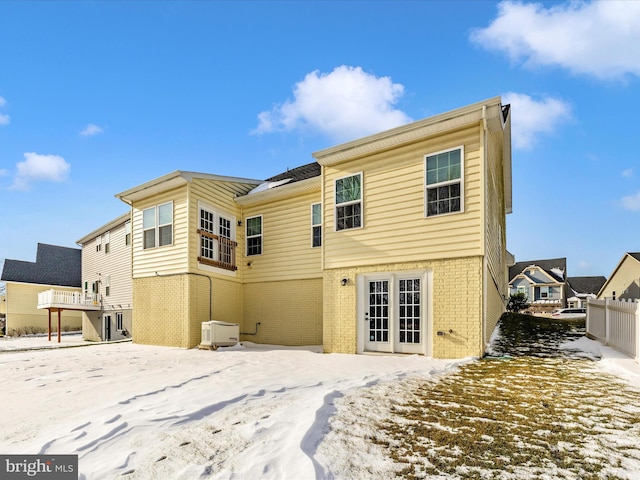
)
(444, 182)
(348, 201)
(107, 239)
(217, 239)
(157, 226)
(127, 233)
(98, 244)
(316, 225)
(107, 285)
(254, 235)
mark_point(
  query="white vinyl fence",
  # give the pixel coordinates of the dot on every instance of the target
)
(616, 323)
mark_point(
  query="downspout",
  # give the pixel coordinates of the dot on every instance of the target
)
(483, 343)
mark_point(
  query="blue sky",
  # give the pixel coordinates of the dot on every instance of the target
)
(97, 97)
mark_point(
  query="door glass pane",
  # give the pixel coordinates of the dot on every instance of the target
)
(378, 311)
(409, 311)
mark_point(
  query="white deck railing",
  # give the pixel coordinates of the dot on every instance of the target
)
(616, 323)
(62, 298)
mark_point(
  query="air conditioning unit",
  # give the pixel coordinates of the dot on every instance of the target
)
(216, 333)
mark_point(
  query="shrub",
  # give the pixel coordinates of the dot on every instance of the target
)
(517, 302)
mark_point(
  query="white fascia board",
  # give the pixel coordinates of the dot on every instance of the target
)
(413, 131)
(125, 217)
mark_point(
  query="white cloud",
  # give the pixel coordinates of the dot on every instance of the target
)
(631, 202)
(628, 173)
(345, 104)
(4, 119)
(91, 130)
(37, 167)
(597, 38)
(530, 118)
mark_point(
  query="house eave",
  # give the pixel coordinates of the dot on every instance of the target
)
(105, 228)
(174, 180)
(411, 132)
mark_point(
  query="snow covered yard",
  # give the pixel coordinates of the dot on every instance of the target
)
(142, 412)
(136, 411)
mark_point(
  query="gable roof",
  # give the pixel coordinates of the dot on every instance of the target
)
(54, 265)
(586, 284)
(634, 255)
(552, 267)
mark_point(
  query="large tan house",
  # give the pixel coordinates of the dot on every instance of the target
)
(56, 268)
(391, 243)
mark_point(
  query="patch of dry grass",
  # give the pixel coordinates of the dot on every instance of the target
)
(527, 416)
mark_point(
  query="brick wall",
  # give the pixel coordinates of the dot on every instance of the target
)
(455, 304)
(289, 312)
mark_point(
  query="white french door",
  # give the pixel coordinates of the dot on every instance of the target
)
(393, 313)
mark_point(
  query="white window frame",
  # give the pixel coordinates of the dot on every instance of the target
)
(545, 291)
(427, 186)
(316, 225)
(260, 236)
(157, 226)
(127, 233)
(119, 323)
(217, 215)
(107, 239)
(107, 286)
(348, 203)
(98, 243)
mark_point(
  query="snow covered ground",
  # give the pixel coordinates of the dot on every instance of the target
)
(246, 412)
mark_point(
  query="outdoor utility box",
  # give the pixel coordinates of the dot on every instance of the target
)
(216, 333)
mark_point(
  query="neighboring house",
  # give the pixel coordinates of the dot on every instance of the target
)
(391, 243)
(106, 272)
(55, 268)
(624, 282)
(583, 288)
(542, 281)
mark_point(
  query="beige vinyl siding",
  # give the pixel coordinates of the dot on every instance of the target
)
(169, 258)
(394, 225)
(286, 241)
(116, 264)
(496, 274)
(624, 281)
(22, 308)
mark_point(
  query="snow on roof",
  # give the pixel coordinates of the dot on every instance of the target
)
(268, 185)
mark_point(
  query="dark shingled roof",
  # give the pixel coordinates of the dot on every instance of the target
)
(54, 265)
(635, 255)
(309, 170)
(586, 284)
(546, 265)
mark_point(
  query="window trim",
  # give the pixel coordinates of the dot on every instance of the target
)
(107, 242)
(127, 233)
(448, 182)
(247, 236)
(119, 321)
(157, 226)
(352, 202)
(316, 225)
(216, 215)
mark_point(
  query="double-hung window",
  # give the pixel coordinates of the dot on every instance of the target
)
(119, 325)
(348, 199)
(316, 225)
(444, 182)
(254, 235)
(107, 240)
(157, 226)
